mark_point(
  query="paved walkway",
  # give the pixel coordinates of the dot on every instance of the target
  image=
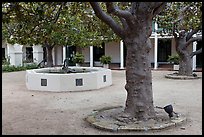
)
(37, 112)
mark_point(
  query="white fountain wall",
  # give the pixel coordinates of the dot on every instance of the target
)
(99, 78)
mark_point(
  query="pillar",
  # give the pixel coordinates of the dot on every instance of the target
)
(63, 54)
(15, 54)
(91, 56)
(121, 55)
(53, 55)
(155, 46)
(194, 57)
(37, 54)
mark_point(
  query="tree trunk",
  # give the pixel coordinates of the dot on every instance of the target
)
(49, 56)
(139, 102)
(185, 61)
(136, 30)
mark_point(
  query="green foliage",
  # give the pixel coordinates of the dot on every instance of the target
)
(78, 58)
(190, 19)
(6, 61)
(37, 23)
(11, 68)
(31, 66)
(53, 24)
(173, 59)
(28, 61)
(105, 59)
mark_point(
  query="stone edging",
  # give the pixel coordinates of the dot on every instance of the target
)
(114, 125)
(174, 76)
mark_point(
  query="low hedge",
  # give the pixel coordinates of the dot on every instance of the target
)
(11, 68)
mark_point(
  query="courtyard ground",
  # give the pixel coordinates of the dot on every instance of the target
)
(27, 112)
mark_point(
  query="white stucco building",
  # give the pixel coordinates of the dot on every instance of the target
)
(162, 47)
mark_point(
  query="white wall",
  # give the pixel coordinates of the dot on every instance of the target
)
(4, 45)
(86, 53)
(112, 49)
(58, 56)
(67, 82)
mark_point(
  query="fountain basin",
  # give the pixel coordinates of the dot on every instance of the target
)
(85, 78)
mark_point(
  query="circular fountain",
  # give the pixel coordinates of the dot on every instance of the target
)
(73, 78)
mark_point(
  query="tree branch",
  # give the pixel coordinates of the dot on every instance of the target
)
(133, 8)
(116, 11)
(158, 9)
(199, 38)
(107, 19)
(124, 23)
(196, 52)
(151, 7)
(190, 34)
(58, 13)
(181, 15)
(111, 9)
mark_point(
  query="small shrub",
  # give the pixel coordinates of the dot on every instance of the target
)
(78, 58)
(11, 68)
(105, 59)
(173, 59)
(7, 68)
(28, 61)
(6, 61)
(32, 66)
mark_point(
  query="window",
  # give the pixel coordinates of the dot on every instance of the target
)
(164, 49)
(79, 82)
(29, 54)
(199, 56)
(44, 53)
(3, 54)
(70, 52)
(98, 52)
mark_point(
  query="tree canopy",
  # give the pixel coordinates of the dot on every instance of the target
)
(185, 15)
(56, 23)
(183, 20)
(53, 24)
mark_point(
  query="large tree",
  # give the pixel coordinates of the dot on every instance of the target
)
(132, 22)
(52, 24)
(183, 20)
(34, 23)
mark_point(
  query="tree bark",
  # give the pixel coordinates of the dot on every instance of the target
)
(185, 61)
(136, 32)
(139, 102)
(49, 56)
(183, 40)
(185, 56)
(185, 65)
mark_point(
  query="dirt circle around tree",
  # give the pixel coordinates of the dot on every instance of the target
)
(182, 77)
(106, 119)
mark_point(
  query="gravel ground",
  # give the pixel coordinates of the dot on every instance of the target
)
(27, 112)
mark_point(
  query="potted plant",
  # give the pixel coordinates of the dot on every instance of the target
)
(174, 59)
(78, 58)
(105, 60)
